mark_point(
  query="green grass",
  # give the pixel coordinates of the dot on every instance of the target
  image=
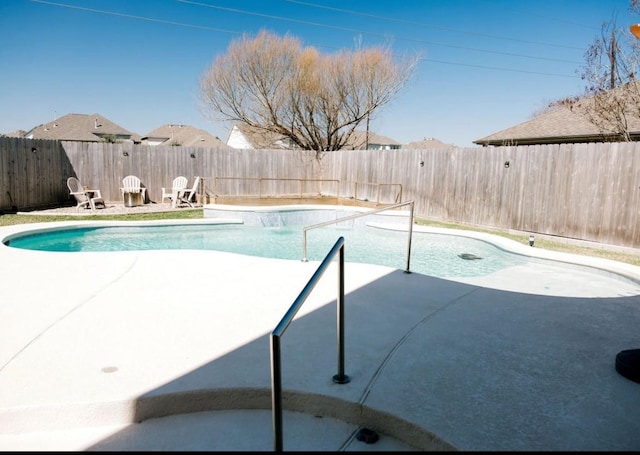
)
(13, 219)
(633, 259)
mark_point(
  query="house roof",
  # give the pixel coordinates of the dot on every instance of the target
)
(560, 125)
(17, 133)
(184, 135)
(428, 143)
(80, 127)
(358, 140)
(261, 139)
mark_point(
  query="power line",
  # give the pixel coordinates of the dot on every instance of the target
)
(335, 27)
(499, 69)
(142, 18)
(181, 24)
(421, 24)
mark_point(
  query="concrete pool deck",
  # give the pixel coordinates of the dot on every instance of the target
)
(93, 343)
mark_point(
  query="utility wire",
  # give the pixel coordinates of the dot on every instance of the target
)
(500, 69)
(421, 24)
(335, 27)
(181, 24)
(142, 18)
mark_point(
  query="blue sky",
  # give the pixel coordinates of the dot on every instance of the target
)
(486, 65)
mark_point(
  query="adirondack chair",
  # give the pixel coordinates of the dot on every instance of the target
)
(132, 188)
(179, 183)
(85, 197)
(188, 195)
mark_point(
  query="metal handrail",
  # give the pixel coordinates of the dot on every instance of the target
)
(359, 215)
(378, 186)
(276, 372)
(260, 181)
(338, 184)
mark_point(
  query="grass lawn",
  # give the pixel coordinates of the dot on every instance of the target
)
(12, 219)
(629, 258)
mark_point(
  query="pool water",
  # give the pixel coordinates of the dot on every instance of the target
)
(438, 255)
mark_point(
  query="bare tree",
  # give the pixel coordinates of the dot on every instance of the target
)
(314, 101)
(612, 94)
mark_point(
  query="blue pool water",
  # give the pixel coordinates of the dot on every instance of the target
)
(437, 255)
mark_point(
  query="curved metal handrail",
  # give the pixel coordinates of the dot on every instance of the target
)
(359, 215)
(276, 374)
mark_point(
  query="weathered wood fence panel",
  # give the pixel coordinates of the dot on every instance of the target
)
(582, 191)
(105, 165)
(31, 173)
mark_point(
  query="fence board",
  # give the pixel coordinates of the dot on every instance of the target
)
(583, 191)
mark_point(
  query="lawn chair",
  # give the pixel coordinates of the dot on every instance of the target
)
(187, 196)
(179, 183)
(131, 189)
(85, 197)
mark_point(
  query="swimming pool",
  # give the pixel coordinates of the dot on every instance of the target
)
(470, 257)
(464, 256)
(437, 255)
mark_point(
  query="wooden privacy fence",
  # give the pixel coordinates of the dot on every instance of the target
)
(379, 193)
(261, 187)
(582, 191)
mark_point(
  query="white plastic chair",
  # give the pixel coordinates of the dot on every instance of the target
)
(132, 184)
(86, 198)
(179, 183)
(187, 196)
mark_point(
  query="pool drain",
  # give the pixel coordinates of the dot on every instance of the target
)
(469, 256)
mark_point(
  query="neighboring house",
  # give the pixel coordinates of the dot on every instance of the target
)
(561, 125)
(245, 137)
(19, 133)
(358, 141)
(182, 135)
(82, 127)
(428, 143)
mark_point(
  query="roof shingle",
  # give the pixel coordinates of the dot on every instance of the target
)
(80, 127)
